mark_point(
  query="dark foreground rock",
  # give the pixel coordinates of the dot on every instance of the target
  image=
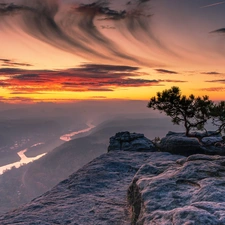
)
(188, 191)
(181, 145)
(131, 187)
(95, 195)
(211, 140)
(178, 143)
(126, 141)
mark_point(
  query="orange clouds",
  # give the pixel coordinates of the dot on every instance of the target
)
(87, 78)
(155, 41)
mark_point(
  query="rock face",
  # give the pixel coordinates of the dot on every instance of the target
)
(196, 134)
(126, 141)
(95, 194)
(211, 140)
(132, 187)
(188, 191)
(178, 143)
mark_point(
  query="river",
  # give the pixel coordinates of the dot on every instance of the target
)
(67, 137)
(25, 160)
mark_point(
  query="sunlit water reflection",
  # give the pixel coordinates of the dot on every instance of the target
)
(67, 137)
(25, 160)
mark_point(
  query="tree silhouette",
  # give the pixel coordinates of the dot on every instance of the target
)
(193, 112)
(218, 116)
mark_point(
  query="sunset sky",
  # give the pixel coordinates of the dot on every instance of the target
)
(63, 50)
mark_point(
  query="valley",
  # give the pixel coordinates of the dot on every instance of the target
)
(19, 186)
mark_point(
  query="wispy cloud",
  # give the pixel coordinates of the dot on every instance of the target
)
(76, 30)
(12, 63)
(216, 81)
(219, 31)
(211, 73)
(174, 81)
(213, 89)
(211, 5)
(98, 97)
(166, 71)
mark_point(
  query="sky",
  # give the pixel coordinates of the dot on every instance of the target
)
(68, 50)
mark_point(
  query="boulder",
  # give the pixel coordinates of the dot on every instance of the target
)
(196, 134)
(211, 140)
(214, 150)
(178, 144)
(171, 133)
(126, 141)
(188, 191)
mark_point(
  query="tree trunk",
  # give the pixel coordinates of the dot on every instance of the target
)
(187, 128)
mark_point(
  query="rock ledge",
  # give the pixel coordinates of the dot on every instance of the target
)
(126, 141)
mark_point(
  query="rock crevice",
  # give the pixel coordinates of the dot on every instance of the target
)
(191, 192)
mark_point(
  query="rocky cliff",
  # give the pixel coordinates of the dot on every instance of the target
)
(126, 186)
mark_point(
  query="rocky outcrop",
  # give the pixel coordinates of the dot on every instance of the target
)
(178, 143)
(96, 194)
(126, 186)
(208, 141)
(126, 141)
(188, 191)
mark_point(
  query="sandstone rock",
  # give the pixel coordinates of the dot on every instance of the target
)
(211, 140)
(171, 133)
(195, 134)
(159, 187)
(204, 134)
(215, 150)
(178, 144)
(189, 191)
(126, 141)
(95, 194)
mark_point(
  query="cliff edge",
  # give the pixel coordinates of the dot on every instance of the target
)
(126, 186)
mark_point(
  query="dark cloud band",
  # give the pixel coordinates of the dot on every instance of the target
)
(219, 31)
(166, 71)
(89, 77)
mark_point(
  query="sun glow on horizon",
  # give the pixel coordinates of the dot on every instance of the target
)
(110, 51)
